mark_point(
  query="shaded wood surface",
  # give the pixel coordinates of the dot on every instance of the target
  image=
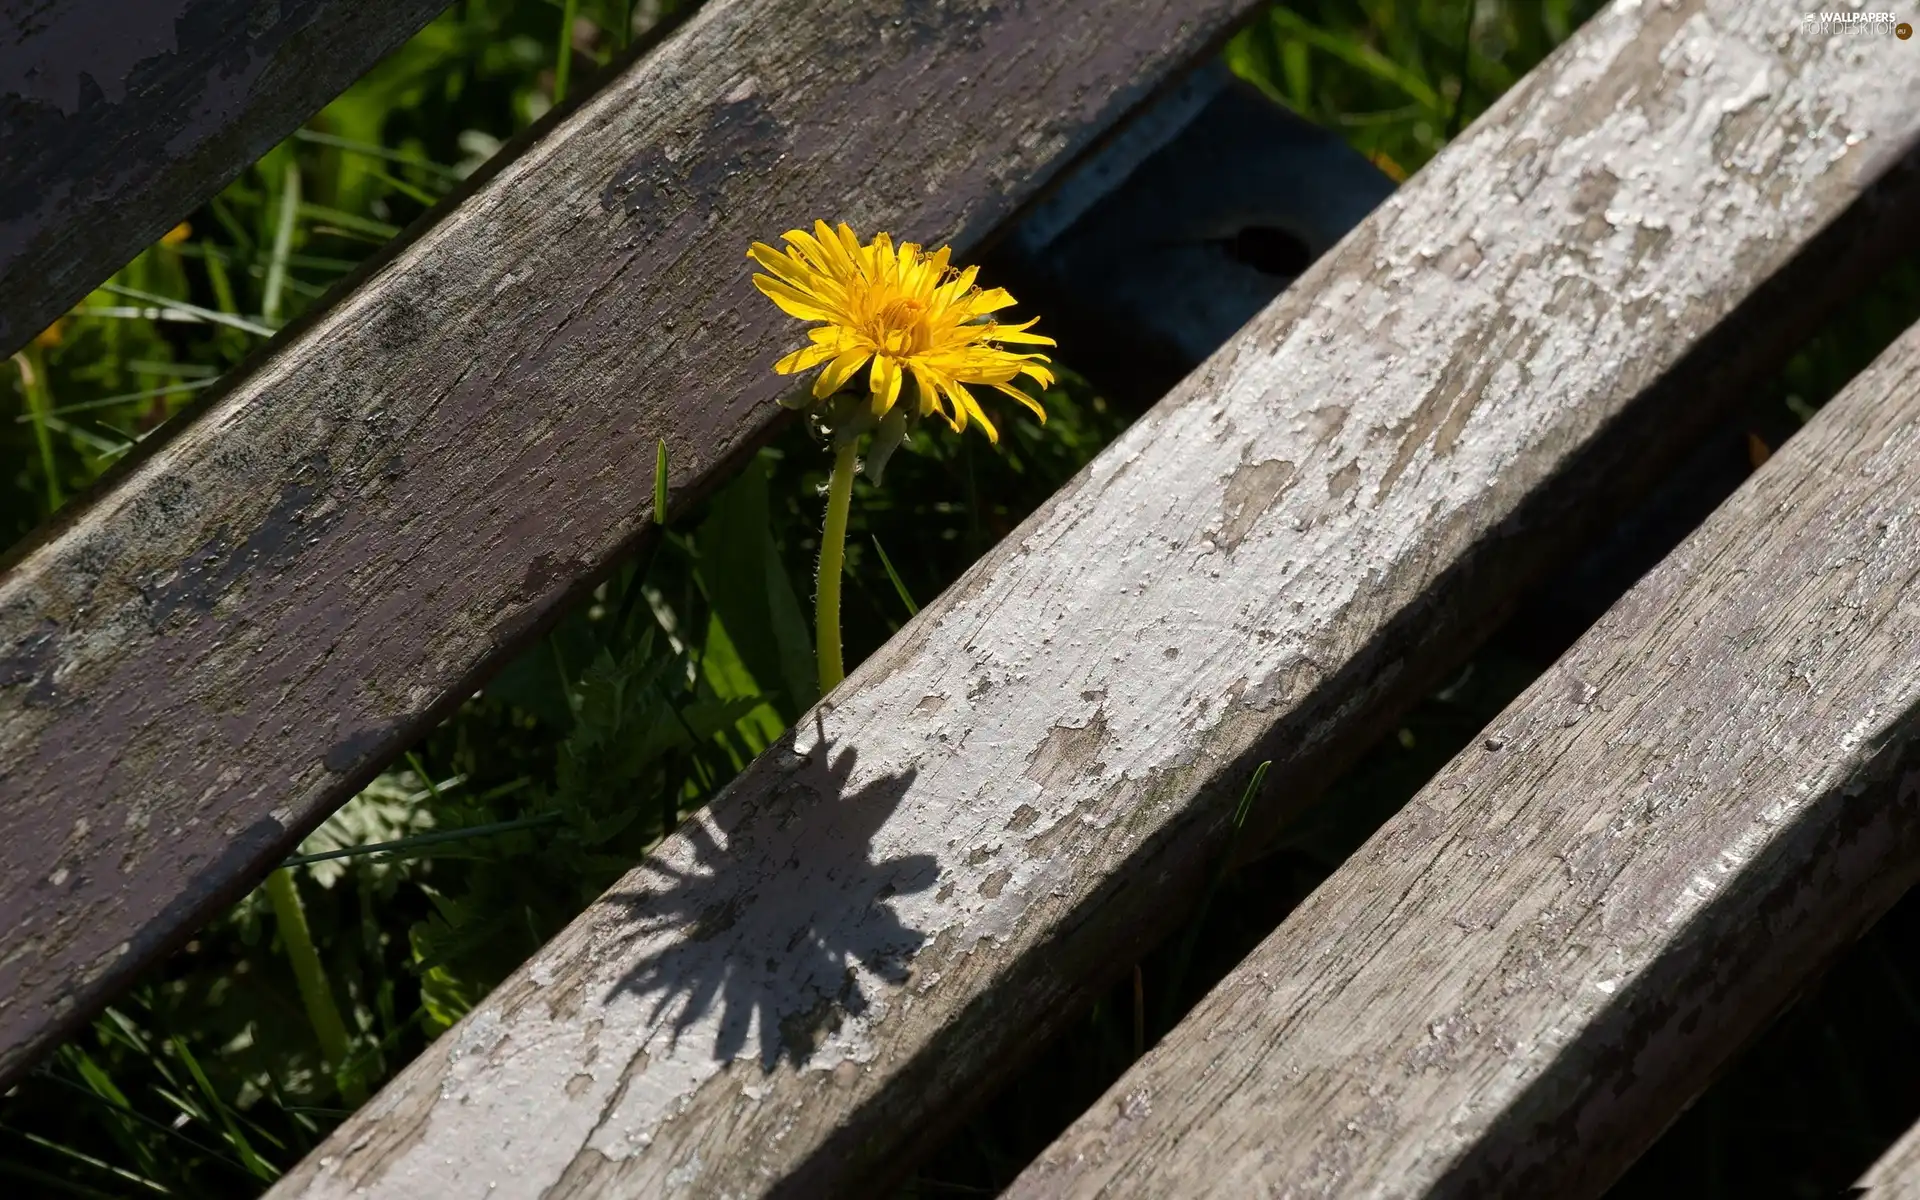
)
(817, 974)
(202, 664)
(1895, 1175)
(119, 117)
(1526, 974)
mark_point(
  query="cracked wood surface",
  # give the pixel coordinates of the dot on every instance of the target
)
(816, 975)
(395, 496)
(1517, 983)
(120, 117)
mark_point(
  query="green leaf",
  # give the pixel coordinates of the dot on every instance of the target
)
(899, 586)
(660, 485)
(728, 676)
(746, 585)
(235, 1137)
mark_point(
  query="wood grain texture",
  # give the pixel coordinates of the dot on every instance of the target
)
(119, 117)
(1895, 1175)
(1530, 970)
(818, 973)
(199, 667)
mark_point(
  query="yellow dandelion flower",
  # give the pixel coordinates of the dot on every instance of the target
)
(900, 314)
(178, 234)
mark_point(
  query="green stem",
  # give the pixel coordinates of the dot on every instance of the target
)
(565, 63)
(33, 380)
(833, 550)
(312, 977)
(282, 246)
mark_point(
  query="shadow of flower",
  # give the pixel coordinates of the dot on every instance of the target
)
(770, 922)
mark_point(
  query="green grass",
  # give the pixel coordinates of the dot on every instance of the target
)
(207, 1078)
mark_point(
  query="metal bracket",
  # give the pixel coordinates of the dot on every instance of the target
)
(1162, 242)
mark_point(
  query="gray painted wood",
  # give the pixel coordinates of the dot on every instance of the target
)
(1895, 1175)
(119, 117)
(1516, 984)
(817, 974)
(200, 665)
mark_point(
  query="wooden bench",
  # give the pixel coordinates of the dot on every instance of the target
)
(816, 976)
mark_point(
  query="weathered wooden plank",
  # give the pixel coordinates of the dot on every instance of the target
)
(1895, 1175)
(120, 117)
(883, 915)
(1528, 972)
(201, 665)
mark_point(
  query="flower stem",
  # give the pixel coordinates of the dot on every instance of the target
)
(833, 546)
(312, 978)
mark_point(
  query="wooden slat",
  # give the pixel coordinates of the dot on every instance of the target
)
(1529, 971)
(119, 117)
(199, 667)
(816, 975)
(1896, 1174)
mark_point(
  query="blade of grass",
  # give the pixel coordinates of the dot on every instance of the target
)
(219, 256)
(65, 1187)
(223, 213)
(1360, 56)
(238, 1140)
(369, 150)
(172, 389)
(660, 485)
(205, 314)
(406, 845)
(83, 1157)
(565, 59)
(1183, 957)
(100, 1089)
(126, 1112)
(420, 769)
(33, 382)
(282, 244)
(217, 277)
(346, 221)
(913, 610)
(1459, 112)
(432, 790)
(412, 190)
(353, 235)
(78, 433)
(179, 369)
(136, 312)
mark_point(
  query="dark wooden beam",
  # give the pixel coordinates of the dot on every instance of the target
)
(118, 118)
